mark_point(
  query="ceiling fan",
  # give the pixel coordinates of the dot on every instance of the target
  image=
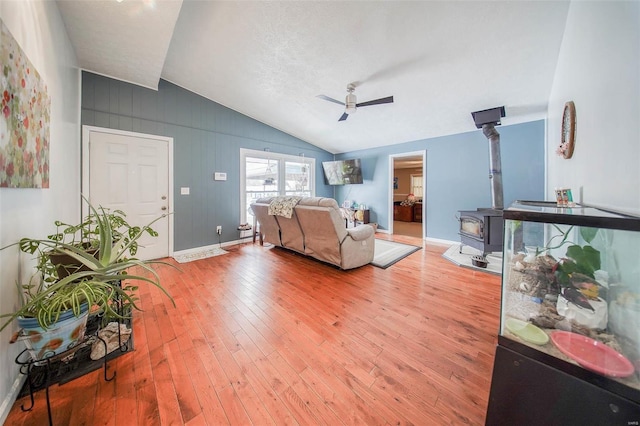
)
(351, 104)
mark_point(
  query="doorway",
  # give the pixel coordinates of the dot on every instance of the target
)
(407, 194)
(131, 172)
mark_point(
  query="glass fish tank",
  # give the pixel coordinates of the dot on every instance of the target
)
(571, 290)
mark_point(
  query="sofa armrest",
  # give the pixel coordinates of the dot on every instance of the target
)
(358, 248)
(361, 232)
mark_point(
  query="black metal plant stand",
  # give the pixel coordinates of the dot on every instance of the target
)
(27, 365)
(62, 361)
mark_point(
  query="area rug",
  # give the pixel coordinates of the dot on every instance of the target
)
(190, 257)
(389, 252)
(464, 259)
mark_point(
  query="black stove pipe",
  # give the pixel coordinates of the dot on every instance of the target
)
(495, 166)
(487, 120)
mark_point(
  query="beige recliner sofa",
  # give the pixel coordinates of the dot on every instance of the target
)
(316, 228)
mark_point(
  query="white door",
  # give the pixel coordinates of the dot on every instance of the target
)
(131, 174)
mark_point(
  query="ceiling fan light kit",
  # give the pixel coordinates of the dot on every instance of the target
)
(351, 102)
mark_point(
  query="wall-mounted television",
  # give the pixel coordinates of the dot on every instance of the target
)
(342, 172)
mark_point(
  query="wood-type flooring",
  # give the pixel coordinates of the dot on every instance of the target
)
(265, 336)
(409, 229)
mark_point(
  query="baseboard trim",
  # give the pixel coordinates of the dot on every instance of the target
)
(11, 397)
(443, 242)
(212, 246)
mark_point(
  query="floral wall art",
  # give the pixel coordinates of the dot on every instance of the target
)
(24, 119)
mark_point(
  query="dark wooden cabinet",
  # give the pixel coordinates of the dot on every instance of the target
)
(407, 213)
(417, 212)
(403, 213)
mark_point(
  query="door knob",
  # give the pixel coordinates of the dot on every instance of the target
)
(164, 208)
(164, 197)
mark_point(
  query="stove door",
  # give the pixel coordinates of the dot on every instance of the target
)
(472, 227)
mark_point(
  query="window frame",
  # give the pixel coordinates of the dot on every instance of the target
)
(413, 191)
(281, 161)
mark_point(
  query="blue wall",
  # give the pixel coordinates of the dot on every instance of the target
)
(207, 138)
(457, 174)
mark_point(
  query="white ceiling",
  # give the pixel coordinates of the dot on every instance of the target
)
(408, 162)
(126, 40)
(269, 60)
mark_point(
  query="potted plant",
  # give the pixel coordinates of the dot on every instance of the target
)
(102, 244)
(84, 236)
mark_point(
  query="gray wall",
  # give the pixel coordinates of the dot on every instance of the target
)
(457, 175)
(207, 138)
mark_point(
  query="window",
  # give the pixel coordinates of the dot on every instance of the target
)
(268, 174)
(416, 186)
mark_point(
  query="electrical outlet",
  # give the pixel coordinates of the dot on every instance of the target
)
(219, 230)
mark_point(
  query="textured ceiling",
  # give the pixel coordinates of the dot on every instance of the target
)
(126, 40)
(269, 60)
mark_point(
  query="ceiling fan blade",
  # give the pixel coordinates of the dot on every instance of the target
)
(387, 100)
(344, 116)
(326, 98)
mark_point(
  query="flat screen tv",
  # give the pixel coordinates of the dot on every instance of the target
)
(342, 172)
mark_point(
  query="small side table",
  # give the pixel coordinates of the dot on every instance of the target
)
(356, 216)
(256, 231)
(361, 216)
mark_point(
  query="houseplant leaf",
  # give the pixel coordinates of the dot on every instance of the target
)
(588, 234)
(97, 278)
(587, 259)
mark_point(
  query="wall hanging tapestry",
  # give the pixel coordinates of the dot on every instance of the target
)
(24, 119)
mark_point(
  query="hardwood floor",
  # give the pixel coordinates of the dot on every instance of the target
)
(409, 229)
(265, 336)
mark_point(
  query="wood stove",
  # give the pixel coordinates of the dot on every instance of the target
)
(482, 229)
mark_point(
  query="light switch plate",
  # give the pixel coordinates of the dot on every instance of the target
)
(219, 176)
(184, 190)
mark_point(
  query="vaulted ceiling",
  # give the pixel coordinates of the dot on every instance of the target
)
(269, 60)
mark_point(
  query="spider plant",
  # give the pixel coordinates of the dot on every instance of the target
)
(97, 283)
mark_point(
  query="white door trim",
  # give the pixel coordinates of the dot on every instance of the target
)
(86, 132)
(422, 153)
